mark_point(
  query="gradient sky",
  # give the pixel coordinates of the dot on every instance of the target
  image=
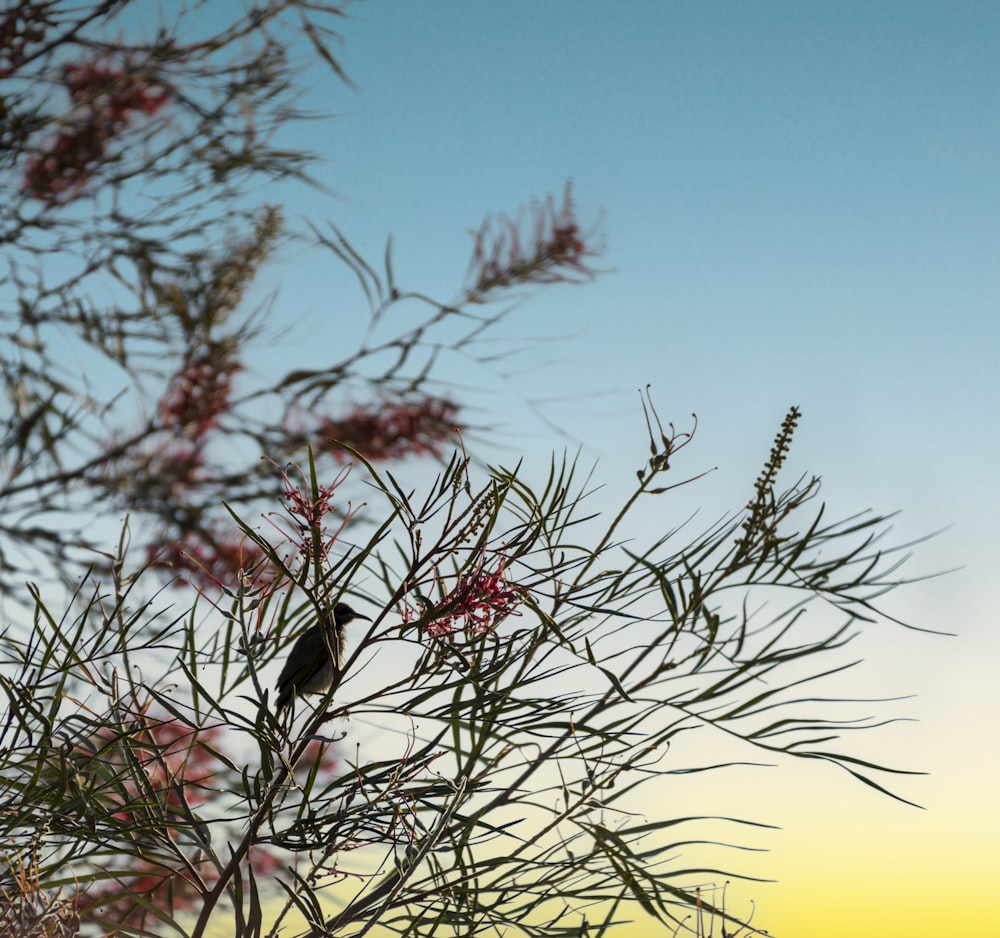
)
(801, 204)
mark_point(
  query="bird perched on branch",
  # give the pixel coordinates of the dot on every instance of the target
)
(310, 669)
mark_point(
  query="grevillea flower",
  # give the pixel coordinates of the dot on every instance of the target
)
(67, 165)
(177, 468)
(201, 391)
(25, 25)
(179, 770)
(477, 604)
(207, 562)
(553, 252)
(105, 100)
(393, 429)
(307, 510)
(113, 93)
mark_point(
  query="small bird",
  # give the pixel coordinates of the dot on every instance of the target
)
(309, 668)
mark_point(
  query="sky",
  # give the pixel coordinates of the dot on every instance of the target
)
(800, 203)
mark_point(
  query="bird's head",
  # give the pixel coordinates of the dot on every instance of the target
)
(342, 614)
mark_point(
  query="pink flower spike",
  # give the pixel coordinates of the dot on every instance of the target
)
(393, 429)
(477, 604)
(307, 512)
(556, 254)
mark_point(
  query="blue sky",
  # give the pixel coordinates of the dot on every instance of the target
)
(801, 203)
(799, 200)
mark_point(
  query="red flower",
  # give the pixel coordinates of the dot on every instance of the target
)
(208, 563)
(105, 99)
(23, 26)
(478, 603)
(393, 430)
(200, 392)
(307, 511)
(177, 769)
(555, 254)
(67, 166)
(114, 92)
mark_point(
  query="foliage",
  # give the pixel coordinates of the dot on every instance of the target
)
(521, 710)
(496, 752)
(130, 243)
